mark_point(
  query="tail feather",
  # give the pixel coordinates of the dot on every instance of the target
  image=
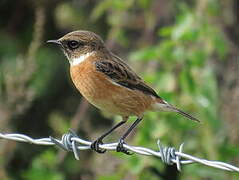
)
(186, 115)
(164, 106)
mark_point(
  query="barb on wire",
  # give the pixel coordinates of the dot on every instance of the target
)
(71, 142)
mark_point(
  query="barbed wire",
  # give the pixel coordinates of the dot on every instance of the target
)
(71, 142)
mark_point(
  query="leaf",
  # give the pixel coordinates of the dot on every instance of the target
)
(145, 54)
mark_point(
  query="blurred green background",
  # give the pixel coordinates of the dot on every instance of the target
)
(187, 50)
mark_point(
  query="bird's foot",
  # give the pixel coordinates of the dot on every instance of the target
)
(120, 148)
(95, 146)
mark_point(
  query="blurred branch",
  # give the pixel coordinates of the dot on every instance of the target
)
(71, 142)
(80, 113)
(37, 35)
(17, 92)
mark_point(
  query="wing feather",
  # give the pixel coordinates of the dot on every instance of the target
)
(122, 74)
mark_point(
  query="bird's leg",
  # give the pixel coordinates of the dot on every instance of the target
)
(120, 146)
(95, 145)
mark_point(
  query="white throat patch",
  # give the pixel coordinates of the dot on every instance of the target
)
(77, 61)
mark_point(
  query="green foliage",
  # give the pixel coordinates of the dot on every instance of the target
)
(185, 54)
(44, 167)
(59, 123)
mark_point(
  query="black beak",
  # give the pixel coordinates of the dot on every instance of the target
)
(54, 41)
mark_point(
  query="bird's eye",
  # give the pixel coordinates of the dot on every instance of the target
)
(73, 44)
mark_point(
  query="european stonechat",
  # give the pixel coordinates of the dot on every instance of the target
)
(108, 83)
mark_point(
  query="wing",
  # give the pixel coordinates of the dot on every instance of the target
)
(120, 73)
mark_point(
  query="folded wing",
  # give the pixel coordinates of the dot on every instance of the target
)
(121, 74)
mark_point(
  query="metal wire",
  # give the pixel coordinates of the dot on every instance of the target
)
(72, 143)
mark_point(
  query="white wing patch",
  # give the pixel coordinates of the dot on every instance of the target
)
(77, 61)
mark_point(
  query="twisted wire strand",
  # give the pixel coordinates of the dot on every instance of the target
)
(72, 143)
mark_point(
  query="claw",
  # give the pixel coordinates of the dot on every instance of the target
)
(95, 146)
(120, 148)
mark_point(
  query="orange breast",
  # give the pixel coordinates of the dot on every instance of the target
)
(107, 96)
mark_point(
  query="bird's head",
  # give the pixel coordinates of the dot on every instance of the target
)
(78, 44)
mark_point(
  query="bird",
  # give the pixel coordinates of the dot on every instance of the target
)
(108, 83)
